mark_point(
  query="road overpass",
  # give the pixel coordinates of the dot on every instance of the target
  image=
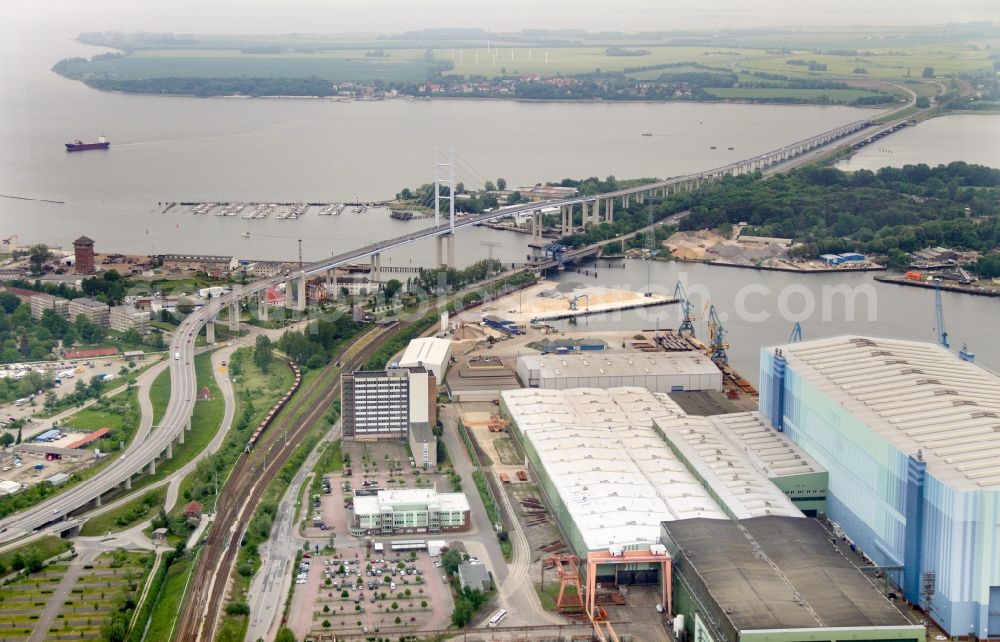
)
(143, 455)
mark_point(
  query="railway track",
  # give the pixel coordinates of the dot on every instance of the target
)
(245, 487)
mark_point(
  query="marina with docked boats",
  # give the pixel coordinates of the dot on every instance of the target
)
(283, 211)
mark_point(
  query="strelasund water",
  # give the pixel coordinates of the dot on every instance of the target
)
(172, 149)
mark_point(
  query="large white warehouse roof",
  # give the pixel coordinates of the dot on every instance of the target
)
(737, 484)
(917, 397)
(620, 364)
(771, 452)
(614, 473)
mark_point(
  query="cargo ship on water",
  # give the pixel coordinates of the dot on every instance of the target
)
(103, 142)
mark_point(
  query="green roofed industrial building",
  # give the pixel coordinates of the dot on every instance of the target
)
(773, 579)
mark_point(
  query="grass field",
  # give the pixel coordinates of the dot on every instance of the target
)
(885, 66)
(46, 547)
(575, 60)
(758, 93)
(168, 602)
(127, 515)
(159, 395)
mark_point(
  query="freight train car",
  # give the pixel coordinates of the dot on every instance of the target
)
(275, 409)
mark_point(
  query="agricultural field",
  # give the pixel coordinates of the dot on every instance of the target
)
(758, 93)
(334, 66)
(551, 61)
(895, 65)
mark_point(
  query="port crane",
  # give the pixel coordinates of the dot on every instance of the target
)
(686, 328)
(717, 339)
(572, 302)
(942, 335)
(796, 335)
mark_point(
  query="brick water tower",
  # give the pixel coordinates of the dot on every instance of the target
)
(83, 248)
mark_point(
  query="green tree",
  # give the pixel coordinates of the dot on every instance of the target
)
(9, 302)
(184, 306)
(450, 561)
(392, 287)
(928, 72)
(285, 635)
(37, 255)
(501, 184)
(263, 353)
(489, 186)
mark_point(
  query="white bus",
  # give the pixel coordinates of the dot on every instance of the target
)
(497, 618)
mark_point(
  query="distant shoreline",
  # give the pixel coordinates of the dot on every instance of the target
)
(342, 99)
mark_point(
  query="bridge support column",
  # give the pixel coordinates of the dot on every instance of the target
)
(609, 210)
(262, 305)
(376, 269)
(234, 316)
(625, 200)
(152, 467)
(295, 292)
(595, 211)
(180, 437)
(187, 426)
(210, 332)
(128, 483)
(446, 250)
(566, 220)
(170, 450)
(97, 502)
(332, 284)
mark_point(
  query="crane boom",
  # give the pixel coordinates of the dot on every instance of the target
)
(686, 327)
(942, 334)
(717, 339)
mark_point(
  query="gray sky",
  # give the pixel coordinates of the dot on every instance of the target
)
(329, 16)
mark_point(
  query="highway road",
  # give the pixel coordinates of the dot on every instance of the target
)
(182, 378)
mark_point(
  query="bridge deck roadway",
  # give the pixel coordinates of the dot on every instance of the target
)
(182, 377)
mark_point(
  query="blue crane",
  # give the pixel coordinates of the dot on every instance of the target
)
(942, 334)
(686, 328)
(717, 339)
(796, 335)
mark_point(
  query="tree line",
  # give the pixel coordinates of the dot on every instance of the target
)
(906, 208)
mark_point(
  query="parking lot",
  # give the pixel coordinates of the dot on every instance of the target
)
(72, 371)
(358, 590)
(379, 465)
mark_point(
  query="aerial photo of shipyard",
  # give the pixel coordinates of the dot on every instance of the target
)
(551, 321)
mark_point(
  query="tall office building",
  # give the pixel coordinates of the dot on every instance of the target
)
(382, 404)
